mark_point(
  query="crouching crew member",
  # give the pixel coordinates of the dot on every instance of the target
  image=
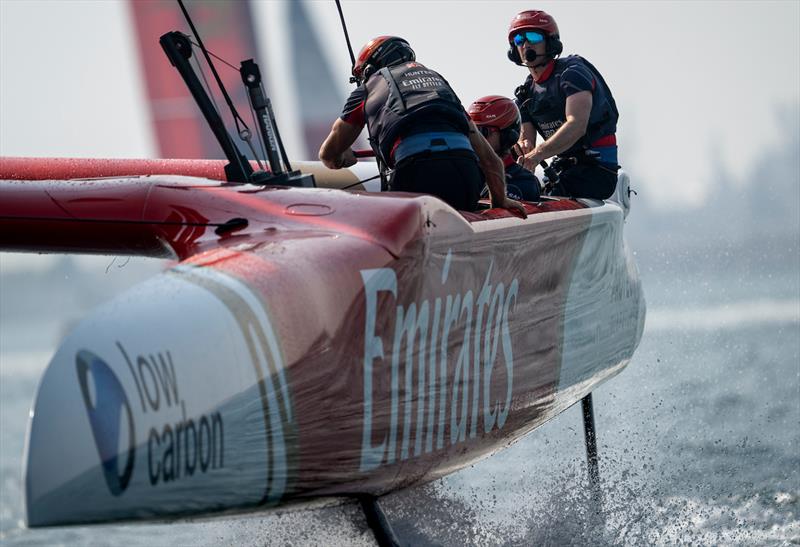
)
(498, 120)
(569, 104)
(418, 127)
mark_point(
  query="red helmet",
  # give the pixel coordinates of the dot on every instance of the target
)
(494, 111)
(381, 52)
(533, 20)
(499, 113)
(539, 21)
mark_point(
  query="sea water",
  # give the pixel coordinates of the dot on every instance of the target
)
(699, 438)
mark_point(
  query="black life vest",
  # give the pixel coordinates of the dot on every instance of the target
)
(406, 99)
(545, 103)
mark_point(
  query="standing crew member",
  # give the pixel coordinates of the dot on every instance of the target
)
(569, 104)
(498, 120)
(417, 126)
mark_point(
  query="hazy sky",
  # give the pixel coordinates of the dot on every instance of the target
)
(692, 79)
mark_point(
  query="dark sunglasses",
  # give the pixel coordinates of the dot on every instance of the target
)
(529, 36)
(486, 130)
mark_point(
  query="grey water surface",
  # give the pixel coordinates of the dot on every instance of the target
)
(699, 438)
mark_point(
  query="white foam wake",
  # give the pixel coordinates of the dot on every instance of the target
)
(724, 316)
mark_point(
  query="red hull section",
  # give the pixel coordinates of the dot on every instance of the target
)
(321, 342)
(151, 215)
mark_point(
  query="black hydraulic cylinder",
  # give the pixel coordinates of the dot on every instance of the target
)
(178, 49)
(251, 76)
(280, 173)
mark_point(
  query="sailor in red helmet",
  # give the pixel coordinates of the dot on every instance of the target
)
(498, 120)
(569, 104)
(418, 127)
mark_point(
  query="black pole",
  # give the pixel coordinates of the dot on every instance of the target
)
(591, 450)
(178, 50)
(377, 522)
(234, 113)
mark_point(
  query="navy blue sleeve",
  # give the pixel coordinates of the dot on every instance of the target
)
(577, 78)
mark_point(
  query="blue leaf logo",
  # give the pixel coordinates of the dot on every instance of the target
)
(104, 404)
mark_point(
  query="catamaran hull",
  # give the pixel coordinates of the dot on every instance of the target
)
(343, 357)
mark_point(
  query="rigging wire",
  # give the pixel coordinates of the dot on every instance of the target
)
(215, 56)
(360, 182)
(255, 122)
(236, 118)
(346, 36)
(244, 134)
(247, 137)
(258, 134)
(205, 82)
(244, 166)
